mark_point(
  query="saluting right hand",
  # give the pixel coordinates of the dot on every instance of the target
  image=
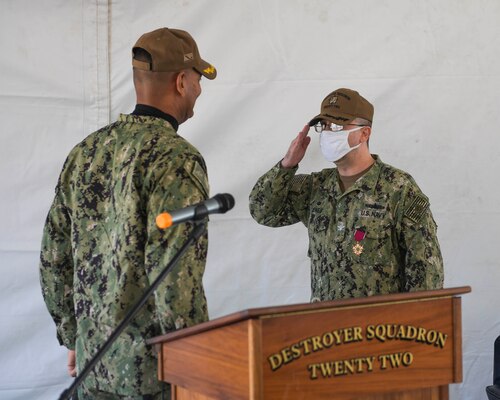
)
(297, 149)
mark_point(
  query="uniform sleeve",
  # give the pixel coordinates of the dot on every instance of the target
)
(280, 197)
(180, 299)
(56, 271)
(423, 269)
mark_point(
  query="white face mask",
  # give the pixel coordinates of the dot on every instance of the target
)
(335, 145)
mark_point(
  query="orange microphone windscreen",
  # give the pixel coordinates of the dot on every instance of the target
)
(164, 220)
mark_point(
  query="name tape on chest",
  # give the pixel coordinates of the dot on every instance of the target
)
(372, 213)
(374, 210)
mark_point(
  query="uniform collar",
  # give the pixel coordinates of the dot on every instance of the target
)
(366, 183)
(149, 111)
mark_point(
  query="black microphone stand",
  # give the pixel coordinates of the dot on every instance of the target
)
(198, 230)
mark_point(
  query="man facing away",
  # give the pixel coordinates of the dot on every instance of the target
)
(370, 227)
(101, 249)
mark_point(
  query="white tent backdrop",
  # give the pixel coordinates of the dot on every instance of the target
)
(430, 67)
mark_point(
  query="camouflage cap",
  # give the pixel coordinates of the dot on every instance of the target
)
(342, 106)
(171, 50)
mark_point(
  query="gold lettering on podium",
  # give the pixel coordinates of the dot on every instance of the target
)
(338, 337)
(341, 367)
(332, 369)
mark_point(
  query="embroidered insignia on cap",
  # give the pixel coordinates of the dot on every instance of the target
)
(333, 100)
(417, 208)
(209, 70)
(188, 57)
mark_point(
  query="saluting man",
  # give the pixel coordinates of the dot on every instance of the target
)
(371, 230)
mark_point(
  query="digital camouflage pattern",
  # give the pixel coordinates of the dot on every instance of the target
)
(101, 248)
(400, 247)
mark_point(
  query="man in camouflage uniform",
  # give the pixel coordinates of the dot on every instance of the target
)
(101, 248)
(370, 227)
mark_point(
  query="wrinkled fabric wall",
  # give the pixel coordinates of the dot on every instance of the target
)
(431, 68)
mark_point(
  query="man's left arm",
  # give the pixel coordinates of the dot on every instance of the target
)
(423, 263)
(180, 299)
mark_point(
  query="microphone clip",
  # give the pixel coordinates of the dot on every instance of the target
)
(200, 213)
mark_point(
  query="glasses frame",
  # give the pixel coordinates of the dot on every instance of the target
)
(321, 126)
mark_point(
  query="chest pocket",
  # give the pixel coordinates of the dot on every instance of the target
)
(377, 242)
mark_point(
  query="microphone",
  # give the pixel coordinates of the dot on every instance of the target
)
(218, 204)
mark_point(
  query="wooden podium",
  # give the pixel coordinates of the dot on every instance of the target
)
(399, 347)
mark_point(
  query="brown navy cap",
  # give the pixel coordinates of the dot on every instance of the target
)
(342, 106)
(171, 50)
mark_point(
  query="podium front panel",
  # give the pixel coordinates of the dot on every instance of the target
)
(361, 350)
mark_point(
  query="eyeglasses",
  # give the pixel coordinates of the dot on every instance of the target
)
(330, 126)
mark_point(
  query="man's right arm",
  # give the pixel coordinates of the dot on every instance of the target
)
(280, 197)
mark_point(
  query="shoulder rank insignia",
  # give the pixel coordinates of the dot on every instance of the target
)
(417, 208)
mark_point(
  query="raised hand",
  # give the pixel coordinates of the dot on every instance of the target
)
(297, 149)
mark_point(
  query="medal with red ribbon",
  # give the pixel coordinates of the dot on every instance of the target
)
(359, 235)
